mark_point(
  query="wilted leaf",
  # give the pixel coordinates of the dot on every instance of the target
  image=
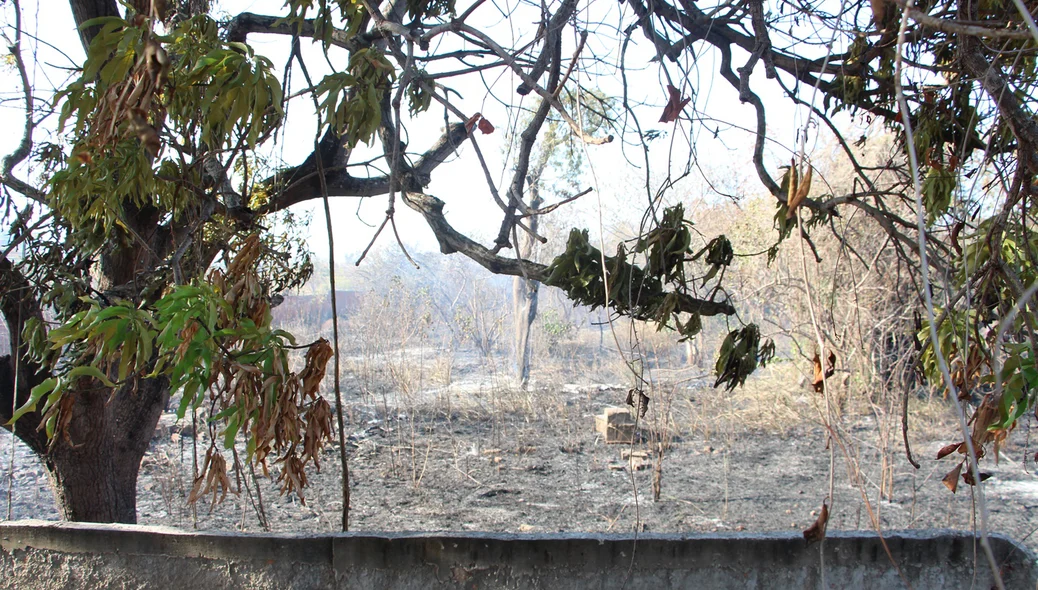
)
(318, 431)
(798, 189)
(947, 450)
(986, 415)
(643, 404)
(485, 126)
(951, 480)
(472, 122)
(738, 357)
(212, 479)
(819, 379)
(674, 105)
(816, 532)
(313, 371)
(968, 477)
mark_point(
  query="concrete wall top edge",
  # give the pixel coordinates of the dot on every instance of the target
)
(369, 549)
(906, 534)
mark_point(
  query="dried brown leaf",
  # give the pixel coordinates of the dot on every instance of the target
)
(948, 449)
(318, 431)
(983, 418)
(643, 404)
(485, 126)
(968, 477)
(471, 123)
(816, 532)
(951, 480)
(818, 382)
(313, 371)
(675, 104)
(798, 190)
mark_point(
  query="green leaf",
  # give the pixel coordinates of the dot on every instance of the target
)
(189, 396)
(233, 425)
(102, 20)
(89, 371)
(45, 387)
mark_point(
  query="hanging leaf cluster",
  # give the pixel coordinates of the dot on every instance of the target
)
(240, 97)
(740, 355)
(659, 292)
(937, 189)
(326, 23)
(719, 254)
(421, 9)
(137, 90)
(667, 245)
(212, 339)
(352, 100)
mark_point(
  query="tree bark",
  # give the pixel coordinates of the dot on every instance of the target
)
(94, 470)
(84, 10)
(524, 301)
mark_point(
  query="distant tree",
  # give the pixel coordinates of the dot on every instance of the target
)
(140, 259)
(554, 169)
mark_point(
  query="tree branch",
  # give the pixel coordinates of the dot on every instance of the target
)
(989, 74)
(247, 23)
(18, 304)
(452, 241)
(303, 185)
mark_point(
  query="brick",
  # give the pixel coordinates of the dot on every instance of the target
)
(616, 425)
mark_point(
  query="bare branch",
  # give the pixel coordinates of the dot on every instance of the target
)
(303, 184)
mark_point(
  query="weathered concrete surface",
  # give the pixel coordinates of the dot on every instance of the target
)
(71, 555)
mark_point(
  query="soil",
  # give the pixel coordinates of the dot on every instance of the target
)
(493, 460)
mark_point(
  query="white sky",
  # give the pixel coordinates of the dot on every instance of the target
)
(460, 182)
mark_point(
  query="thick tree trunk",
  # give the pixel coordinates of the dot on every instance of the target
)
(93, 463)
(93, 460)
(95, 477)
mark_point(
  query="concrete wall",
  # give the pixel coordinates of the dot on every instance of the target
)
(67, 555)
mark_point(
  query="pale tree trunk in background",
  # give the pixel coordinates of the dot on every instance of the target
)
(691, 353)
(524, 300)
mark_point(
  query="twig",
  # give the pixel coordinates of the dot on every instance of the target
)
(504, 55)
(554, 206)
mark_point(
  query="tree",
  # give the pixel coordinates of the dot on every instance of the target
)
(148, 260)
(555, 171)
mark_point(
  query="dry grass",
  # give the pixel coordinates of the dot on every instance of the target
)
(770, 402)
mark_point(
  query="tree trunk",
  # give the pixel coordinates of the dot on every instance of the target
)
(524, 297)
(92, 463)
(95, 477)
(84, 10)
(93, 460)
(524, 302)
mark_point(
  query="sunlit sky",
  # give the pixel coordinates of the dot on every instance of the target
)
(460, 182)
